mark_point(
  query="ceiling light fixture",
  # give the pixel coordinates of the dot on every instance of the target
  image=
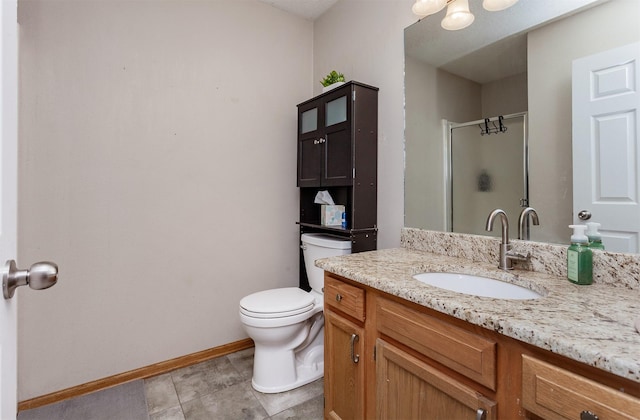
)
(458, 14)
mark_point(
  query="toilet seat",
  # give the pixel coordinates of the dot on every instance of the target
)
(277, 303)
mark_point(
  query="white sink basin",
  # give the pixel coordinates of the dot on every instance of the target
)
(476, 286)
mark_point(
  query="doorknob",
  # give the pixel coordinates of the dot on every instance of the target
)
(41, 275)
(584, 215)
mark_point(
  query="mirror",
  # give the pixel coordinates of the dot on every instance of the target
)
(516, 60)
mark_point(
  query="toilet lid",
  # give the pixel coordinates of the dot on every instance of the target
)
(277, 303)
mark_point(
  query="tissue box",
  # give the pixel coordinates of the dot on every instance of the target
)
(331, 215)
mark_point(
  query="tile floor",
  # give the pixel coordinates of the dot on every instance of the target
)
(216, 389)
(221, 389)
(126, 401)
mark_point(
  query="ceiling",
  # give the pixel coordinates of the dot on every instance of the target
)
(442, 48)
(308, 9)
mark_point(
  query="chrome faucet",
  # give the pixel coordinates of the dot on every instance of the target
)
(506, 255)
(523, 230)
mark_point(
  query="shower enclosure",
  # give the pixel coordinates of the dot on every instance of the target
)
(487, 169)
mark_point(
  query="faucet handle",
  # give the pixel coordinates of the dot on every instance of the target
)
(518, 256)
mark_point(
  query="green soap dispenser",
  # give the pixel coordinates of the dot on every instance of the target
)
(595, 240)
(579, 257)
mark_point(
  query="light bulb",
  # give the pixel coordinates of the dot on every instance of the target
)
(458, 16)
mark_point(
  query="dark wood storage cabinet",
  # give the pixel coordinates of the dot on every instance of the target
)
(338, 152)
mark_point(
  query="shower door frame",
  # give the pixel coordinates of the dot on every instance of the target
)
(448, 127)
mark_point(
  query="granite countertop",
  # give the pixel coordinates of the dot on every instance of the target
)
(591, 324)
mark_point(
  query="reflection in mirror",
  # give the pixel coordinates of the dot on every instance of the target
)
(515, 61)
(488, 169)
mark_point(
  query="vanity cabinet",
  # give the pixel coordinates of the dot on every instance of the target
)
(344, 339)
(396, 379)
(338, 152)
(417, 363)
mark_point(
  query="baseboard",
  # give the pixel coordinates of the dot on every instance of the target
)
(132, 375)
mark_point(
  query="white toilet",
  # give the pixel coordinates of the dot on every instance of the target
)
(287, 324)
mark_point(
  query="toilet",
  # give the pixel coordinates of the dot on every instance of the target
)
(287, 324)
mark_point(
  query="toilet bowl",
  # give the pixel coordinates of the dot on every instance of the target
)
(287, 324)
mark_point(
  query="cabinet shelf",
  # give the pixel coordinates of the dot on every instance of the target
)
(318, 226)
(337, 229)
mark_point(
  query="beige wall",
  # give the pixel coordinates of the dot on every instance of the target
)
(157, 168)
(551, 50)
(365, 41)
(505, 96)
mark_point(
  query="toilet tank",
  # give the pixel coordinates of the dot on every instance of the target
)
(319, 245)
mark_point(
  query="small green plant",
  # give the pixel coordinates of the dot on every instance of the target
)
(332, 78)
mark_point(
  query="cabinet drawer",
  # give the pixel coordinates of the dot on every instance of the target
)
(459, 350)
(552, 392)
(344, 297)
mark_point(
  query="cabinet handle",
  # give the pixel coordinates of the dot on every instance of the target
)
(321, 140)
(481, 414)
(354, 357)
(316, 142)
(588, 415)
(338, 297)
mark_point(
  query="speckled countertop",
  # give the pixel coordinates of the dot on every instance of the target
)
(591, 324)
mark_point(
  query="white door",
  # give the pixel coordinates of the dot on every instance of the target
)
(40, 275)
(8, 195)
(606, 145)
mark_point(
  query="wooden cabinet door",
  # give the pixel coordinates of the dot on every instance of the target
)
(338, 165)
(343, 371)
(408, 388)
(337, 139)
(310, 148)
(309, 162)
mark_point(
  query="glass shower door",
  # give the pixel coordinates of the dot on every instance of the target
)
(488, 171)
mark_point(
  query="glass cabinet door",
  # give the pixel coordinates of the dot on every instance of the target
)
(336, 111)
(309, 121)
